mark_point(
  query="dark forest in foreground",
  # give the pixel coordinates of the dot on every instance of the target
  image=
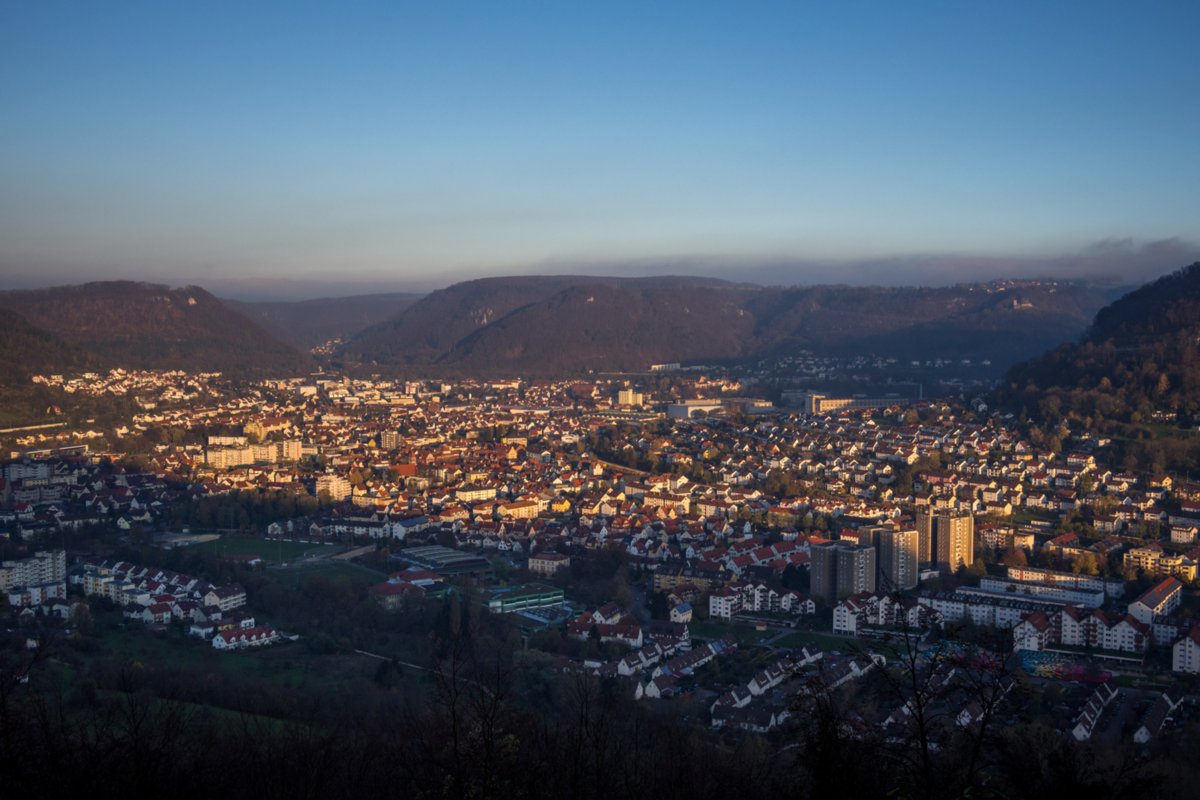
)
(483, 721)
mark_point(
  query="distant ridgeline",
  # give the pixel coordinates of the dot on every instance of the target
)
(135, 326)
(570, 324)
(535, 325)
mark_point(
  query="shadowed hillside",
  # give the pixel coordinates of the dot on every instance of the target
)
(25, 350)
(428, 331)
(309, 323)
(1135, 375)
(149, 326)
(547, 325)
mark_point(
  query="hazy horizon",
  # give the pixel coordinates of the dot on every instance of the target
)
(294, 151)
(1114, 263)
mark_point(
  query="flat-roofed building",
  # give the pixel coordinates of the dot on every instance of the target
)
(443, 560)
(48, 566)
(840, 569)
(946, 539)
(896, 554)
(815, 403)
(337, 487)
(524, 598)
(823, 571)
(855, 570)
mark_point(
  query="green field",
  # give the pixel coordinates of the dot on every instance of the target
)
(288, 664)
(744, 634)
(270, 550)
(1027, 515)
(336, 571)
(824, 641)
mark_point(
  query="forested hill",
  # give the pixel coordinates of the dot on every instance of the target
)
(23, 347)
(139, 325)
(543, 325)
(435, 329)
(308, 323)
(1138, 365)
(564, 324)
(1162, 308)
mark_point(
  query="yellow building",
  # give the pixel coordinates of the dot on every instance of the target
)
(1154, 561)
(521, 509)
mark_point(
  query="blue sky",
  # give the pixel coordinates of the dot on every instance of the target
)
(310, 146)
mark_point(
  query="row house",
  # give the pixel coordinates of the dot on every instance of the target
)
(689, 662)
(734, 707)
(728, 601)
(1112, 587)
(1156, 718)
(36, 595)
(1085, 722)
(856, 612)
(984, 608)
(642, 659)
(242, 638)
(127, 584)
(664, 676)
(975, 712)
(608, 624)
(840, 671)
(1073, 626)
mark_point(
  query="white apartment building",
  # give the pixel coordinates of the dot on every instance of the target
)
(40, 568)
(1185, 654)
(337, 487)
(1159, 601)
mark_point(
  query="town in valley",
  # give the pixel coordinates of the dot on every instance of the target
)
(600, 401)
(732, 561)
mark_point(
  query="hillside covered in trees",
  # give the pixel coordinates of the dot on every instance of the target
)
(23, 346)
(1134, 375)
(134, 326)
(564, 324)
